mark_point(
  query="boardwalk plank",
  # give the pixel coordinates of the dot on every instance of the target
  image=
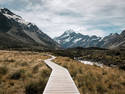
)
(60, 81)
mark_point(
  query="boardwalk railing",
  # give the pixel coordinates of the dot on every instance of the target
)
(60, 81)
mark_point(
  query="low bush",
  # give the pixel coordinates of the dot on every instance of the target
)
(35, 87)
(3, 70)
(16, 75)
(35, 69)
(9, 60)
(45, 73)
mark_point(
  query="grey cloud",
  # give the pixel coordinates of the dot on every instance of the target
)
(54, 16)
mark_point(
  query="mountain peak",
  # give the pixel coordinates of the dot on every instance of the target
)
(69, 31)
(113, 34)
(6, 11)
(72, 39)
(123, 33)
(10, 15)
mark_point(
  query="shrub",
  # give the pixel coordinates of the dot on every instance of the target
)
(24, 64)
(9, 60)
(35, 87)
(16, 75)
(3, 70)
(45, 73)
(35, 69)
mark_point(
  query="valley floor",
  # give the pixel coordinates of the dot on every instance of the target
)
(93, 79)
(23, 72)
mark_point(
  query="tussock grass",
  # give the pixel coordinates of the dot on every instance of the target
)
(35, 87)
(17, 74)
(3, 70)
(112, 58)
(92, 79)
(23, 72)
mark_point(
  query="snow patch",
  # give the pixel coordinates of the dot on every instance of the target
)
(66, 35)
(58, 41)
(68, 39)
(17, 18)
(100, 39)
(84, 40)
(94, 39)
(69, 31)
(76, 40)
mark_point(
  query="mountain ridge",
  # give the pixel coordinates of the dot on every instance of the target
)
(73, 39)
(69, 40)
(24, 33)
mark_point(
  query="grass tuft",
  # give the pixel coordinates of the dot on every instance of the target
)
(92, 79)
(3, 70)
(23, 72)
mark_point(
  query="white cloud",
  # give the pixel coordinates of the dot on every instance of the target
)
(85, 16)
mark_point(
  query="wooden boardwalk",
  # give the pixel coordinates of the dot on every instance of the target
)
(60, 81)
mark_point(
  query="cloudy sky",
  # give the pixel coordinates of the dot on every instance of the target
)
(53, 17)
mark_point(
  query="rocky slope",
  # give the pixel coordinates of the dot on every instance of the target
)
(15, 32)
(70, 39)
(113, 41)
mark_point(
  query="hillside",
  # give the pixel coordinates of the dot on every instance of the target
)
(15, 32)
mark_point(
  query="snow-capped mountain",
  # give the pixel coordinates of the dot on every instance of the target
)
(70, 39)
(16, 32)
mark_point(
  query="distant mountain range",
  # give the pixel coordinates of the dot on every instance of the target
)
(15, 32)
(70, 39)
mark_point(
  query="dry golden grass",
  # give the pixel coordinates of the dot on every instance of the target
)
(93, 79)
(23, 72)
